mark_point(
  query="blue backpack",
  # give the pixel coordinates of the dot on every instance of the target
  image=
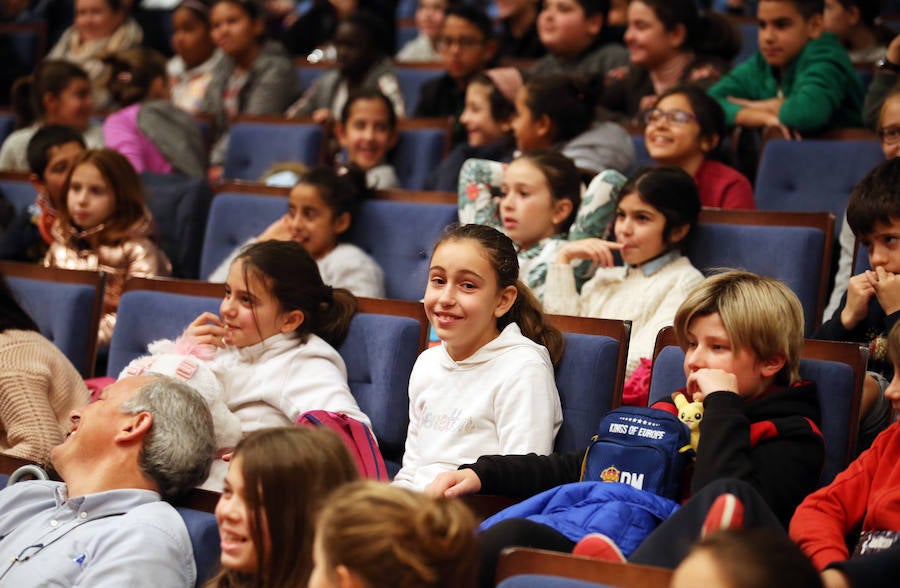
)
(646, 448)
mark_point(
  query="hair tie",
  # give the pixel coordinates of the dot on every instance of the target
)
(124, 76)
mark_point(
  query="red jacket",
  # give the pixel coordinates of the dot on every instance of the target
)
(721, 186)
(868, 491)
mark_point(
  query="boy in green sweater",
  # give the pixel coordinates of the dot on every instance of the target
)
(801, 80)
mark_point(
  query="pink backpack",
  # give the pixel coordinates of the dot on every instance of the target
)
(356, 436)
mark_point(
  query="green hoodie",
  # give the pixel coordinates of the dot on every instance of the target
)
(821, 88)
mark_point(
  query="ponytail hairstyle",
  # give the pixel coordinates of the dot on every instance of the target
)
(132, 73)
(313, 462)
(392, 537)
(526, 311)
(709, 34)
(562, 178)
(566, 100)
(342, 193)
(124, 183)
(292, 276)
(51, 76)
(671, 191)
(12, 315)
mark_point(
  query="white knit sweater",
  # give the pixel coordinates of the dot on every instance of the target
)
(627, 293)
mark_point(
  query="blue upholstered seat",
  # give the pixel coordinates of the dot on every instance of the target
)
(145, 316)
(589, 380)
(411, 80)
(67, 313)
(234, 218)
(204, 534)
(19, 193)
(398, 235)
(790, 254)
(417, 154)
(180, 206)
(254, 146)
(380, 351)
(812, 175)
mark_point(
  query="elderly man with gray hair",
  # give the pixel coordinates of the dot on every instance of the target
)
(144, 439)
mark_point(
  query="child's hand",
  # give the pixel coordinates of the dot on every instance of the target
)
(705, 381)
(771, 105)
(280, 230)
(886, 287)
(453, 484)
(206, 329)
(597, 250)
(859, 292)
(321, 116)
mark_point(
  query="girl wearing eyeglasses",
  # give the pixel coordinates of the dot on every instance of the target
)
(684, 130)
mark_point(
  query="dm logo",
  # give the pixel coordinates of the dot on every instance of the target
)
(612, 474)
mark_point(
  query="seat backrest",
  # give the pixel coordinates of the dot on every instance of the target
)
(234, 218)
(400, 237)
(7, 124)
(590, 375)
(642, 156)
(411, 78)
(204, 533)
(757, 241)
(28, 40)
(17, 190)
(379, 352)
(749, 40)
(521, 562)
(812, 175)
(838, 369)
(418, 152)
(180, 206)
(253, 146)
(145, 316)
(65, 304)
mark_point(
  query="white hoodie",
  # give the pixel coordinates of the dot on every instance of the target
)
(501, 400)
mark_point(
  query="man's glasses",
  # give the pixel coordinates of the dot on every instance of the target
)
(890, 135)
(673, 117)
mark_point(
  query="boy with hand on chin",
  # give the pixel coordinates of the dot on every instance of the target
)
(871, 305)
(801, 80)
(742, 335)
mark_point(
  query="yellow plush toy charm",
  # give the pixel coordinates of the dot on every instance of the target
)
(690, 413)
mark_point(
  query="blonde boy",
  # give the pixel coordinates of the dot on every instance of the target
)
(742, 335)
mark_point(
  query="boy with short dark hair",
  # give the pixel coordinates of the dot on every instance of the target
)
(51, 152)
(801, 80)
(467, 46)
(572, 32)
(871, 305)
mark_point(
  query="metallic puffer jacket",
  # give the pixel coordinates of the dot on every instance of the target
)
(137, 255)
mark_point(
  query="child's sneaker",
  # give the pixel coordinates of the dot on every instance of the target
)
(726, 513)
(599, 546)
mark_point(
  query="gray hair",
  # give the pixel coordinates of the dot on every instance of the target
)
(180, 446)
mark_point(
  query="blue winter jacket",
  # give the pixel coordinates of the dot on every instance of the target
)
(625, 514)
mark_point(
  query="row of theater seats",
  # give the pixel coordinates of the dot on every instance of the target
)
(386, 336)
(399, 229)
